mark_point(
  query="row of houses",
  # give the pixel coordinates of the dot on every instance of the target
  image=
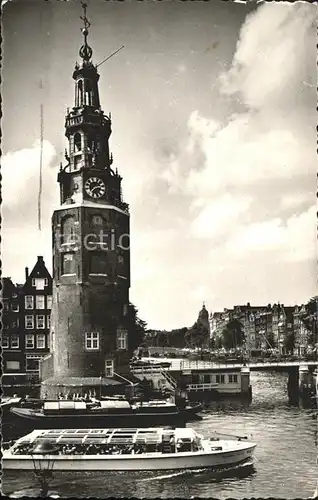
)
(272, 326)
(26, 319)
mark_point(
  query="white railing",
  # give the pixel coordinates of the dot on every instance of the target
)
(201, 387)
(169, 379)
(188, 365)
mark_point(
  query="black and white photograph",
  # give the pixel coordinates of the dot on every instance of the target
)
(159, 249)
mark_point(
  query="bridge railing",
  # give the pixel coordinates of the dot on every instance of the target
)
(186, 364)
(195, 365)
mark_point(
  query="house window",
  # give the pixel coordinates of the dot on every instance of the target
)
(29, 322)
(222, 379)
(98, 263)
(40, 322)
(48, 319)
(39, 283)
(29, 341)
(122, 337)
(109, 368)
(217, 377)
(39, 302)
(235, 379)
(15, 341)
(206, 379)
(13, 365)
(29, 301)
(92, 341)
(5, 341)
(15, 307)
(32, 363)
(68, 263)
(40, 341)
(49, 302)
(230, 379)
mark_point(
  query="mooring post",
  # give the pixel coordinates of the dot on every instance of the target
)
(293, 384)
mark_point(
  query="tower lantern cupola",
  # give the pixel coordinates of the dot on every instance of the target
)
(86, 127)
(85, 75)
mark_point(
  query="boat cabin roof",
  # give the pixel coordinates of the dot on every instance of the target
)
(81, 405)
(107, 436)
(64, 405)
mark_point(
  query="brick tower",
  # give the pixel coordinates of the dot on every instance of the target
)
(91, 256)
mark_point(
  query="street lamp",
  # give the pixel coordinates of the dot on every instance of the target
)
(43, 461)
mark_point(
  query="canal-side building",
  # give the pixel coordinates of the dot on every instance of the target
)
(300, 331)
(26, 325)
(91, 255)
(272, 326)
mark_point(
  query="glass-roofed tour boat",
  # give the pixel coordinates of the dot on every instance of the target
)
(126, 449)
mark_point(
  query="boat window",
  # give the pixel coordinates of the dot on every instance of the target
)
(97, 431)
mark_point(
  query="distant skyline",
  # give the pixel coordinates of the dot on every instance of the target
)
(214, 112)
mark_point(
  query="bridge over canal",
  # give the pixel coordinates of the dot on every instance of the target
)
(184, 365)
(205, 376)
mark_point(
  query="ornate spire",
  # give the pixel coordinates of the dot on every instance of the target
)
(85, 51)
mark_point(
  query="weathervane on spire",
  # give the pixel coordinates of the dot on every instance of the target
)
(85, 50)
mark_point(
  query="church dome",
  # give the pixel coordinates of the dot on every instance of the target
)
(204, 313)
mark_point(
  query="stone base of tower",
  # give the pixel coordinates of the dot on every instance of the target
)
(54, 386)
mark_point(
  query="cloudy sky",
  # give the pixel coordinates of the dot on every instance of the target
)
(213, 108)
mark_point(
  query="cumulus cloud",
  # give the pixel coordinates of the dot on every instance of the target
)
(249, 180)
(219, 215)
(20, 174)
(273, 43)
(20, 183)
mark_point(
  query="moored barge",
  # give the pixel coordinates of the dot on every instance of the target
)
(118, 413)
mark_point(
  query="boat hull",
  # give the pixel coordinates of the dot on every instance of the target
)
(42, 421)
(147, 462)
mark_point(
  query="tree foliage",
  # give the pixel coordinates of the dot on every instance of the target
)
(137, 326)
(231, 336)
(197, 335)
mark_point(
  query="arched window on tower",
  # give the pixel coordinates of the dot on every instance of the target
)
(102, 229)
(77, 142)
(79, 93)
(68, 230)
(88, 93)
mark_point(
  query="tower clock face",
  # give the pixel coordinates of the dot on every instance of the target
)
(95, 187)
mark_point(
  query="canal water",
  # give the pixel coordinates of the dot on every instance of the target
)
(285, 463)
